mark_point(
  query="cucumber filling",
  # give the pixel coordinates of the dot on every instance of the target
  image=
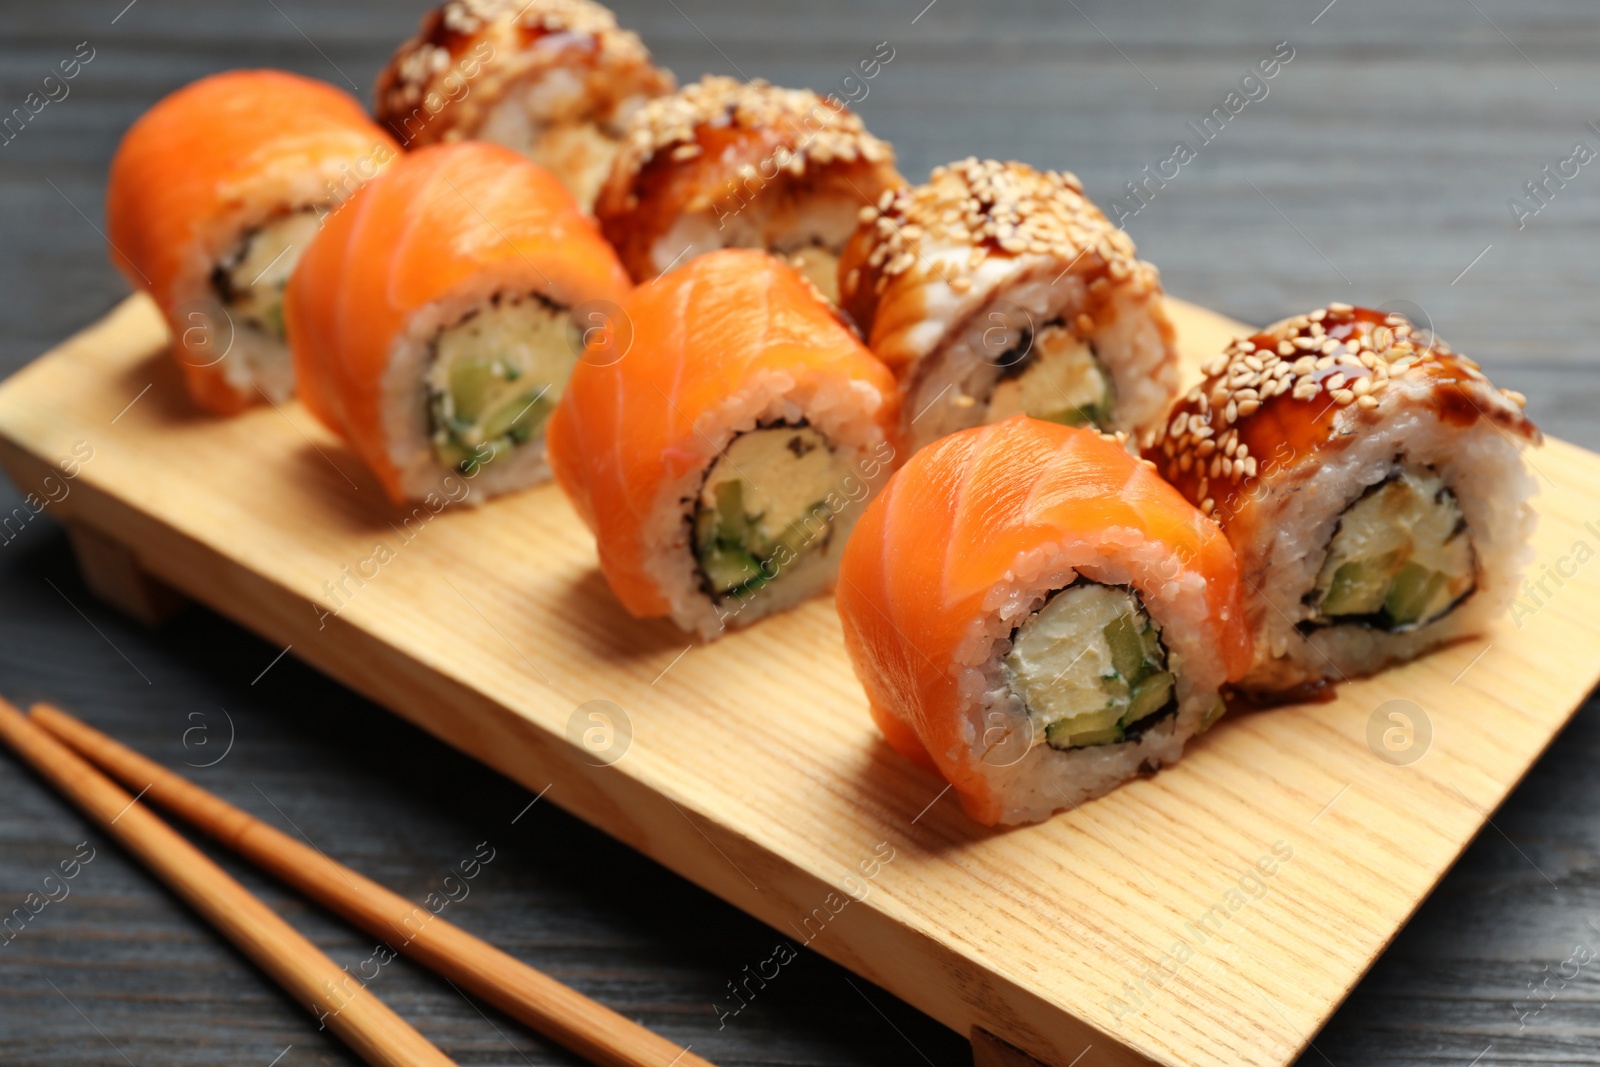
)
(1400, 557)
(495, 378)
(1090, 668)
(252, 280)
(763, 506)
(1057, 378)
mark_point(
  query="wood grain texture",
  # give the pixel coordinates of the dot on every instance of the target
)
(351, 1011)
(598, 1034)
(1177, 907)
(1392, 141)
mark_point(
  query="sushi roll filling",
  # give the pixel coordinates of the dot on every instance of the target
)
(576, 149)
(1053, 375)
(1090, 667)
(820, 265)
(763, 505)
(251, 281)
(1400, 557)
(495, 377)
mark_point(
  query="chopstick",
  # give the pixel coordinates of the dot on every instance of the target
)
(562, 1014)
(360, 1019)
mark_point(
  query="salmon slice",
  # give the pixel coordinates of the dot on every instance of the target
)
(976, 532)
(447, 229)
(730, 342)
(204, 168)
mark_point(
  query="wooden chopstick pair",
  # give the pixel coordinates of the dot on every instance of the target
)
(66, 752)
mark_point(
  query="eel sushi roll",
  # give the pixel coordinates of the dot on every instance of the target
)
(1371, 481)
(722, 461)
(214, 195)
(1038, 617)
(555, 80)
(997, 290)
(437, 318)
(731, 164)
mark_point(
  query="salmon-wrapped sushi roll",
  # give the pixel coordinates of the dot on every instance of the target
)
(731, 164)
(437, 318)
(995, 290)
(722, 461)
(553, 79)
(1039, 617)
(214, 195)
(1371, 481)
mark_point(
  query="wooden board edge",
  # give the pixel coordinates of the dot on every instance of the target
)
(970, 998)
(698, 849)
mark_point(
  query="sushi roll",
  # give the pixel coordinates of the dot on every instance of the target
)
(437, 318)
(1038, 617)
(722, 461)
(731, 164)
(1371, 481)
(555, 80)
(213, 197)
(996, 290)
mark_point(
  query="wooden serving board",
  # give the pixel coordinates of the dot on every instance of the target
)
(1214, 914)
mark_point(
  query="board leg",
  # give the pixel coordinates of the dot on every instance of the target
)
(112, 573)
(990, 1051)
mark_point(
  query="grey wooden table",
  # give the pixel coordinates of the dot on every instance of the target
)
(1378, 168)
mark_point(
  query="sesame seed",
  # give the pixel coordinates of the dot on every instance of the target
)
(673, 123)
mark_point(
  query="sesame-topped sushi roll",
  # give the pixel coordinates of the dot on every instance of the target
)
(730, 164)
(214, 195)
(1371, 481)
(722, 461)
(438, 316)
(995, 290)
(553, 79)
(1039, 617)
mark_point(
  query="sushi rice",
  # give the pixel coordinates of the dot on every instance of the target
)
(1372, 483)
(1038, 617)
(995, 290)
